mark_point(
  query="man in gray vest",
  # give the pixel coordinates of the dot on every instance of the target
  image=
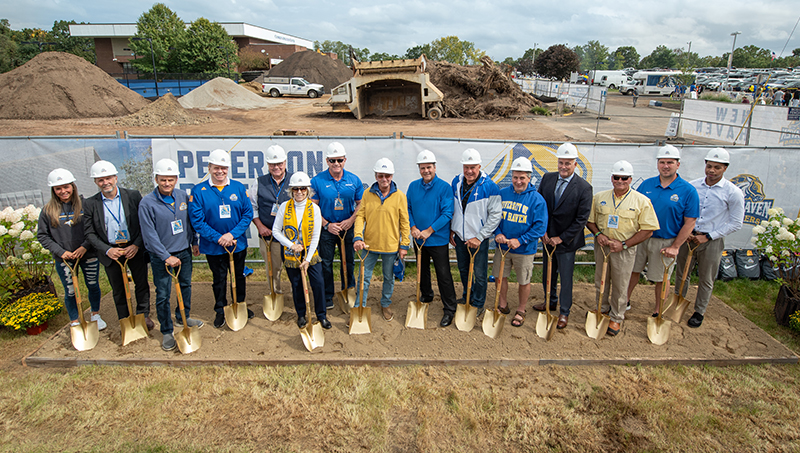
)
(266, 197)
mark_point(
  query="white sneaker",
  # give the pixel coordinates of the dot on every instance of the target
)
(100, 323)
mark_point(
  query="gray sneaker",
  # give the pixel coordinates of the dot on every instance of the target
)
(168, 343)
(192, 322)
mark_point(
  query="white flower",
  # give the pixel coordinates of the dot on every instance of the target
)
(785, 253)
(18, 226)
(753, 240)
(787, 221)
(779, 209)
(764, 223)
(775, 223)
(772, 212)
(14, 216)
(14, 233)
(26, 235)
(36, 246)
(30, 211)
(27, 256)
(3, 230)
(797, 222)
(768, 249)
(758, 229)
(773, 258)
(36, 213)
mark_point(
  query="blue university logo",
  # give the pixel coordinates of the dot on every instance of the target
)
(756, 203)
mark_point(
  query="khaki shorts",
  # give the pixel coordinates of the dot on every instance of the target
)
(523, 264)
(649, 253)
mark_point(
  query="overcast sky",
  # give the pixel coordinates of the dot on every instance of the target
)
(501, 28)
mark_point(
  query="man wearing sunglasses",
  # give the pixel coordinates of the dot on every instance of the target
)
(620, 219)
(338, 194)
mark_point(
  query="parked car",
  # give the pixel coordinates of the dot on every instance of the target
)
(278, 86)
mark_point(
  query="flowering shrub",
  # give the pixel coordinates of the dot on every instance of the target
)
(24, 263)
(778, 238)
(794, 320)
(32, 310)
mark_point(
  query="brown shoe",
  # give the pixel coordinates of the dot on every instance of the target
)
(149, 323)
(562, 321)
(387, 313)
(613, 328)
(541, 307)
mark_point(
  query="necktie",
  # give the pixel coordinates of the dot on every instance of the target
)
(560, 188)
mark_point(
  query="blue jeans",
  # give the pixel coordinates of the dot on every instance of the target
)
(91, 269)
(480, 270)
(326, 249)
(163, 283)
(387, 261)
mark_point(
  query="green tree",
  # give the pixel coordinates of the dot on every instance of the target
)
(207, 48)
(8, 47)
(595, 56)
(82, 47)
(164, 29)
(382, 56)
(417, 51)
(456, 51)
(662, 57)
(713, 61)
(342, 50)
(750, 57)
(627, 56)
(557, 61)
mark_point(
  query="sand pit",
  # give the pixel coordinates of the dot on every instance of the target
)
(164, 111)
(57, 85)
(222, 93)
(725, 338)
(314, 67)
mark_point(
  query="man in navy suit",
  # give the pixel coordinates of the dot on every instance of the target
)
(569, 202)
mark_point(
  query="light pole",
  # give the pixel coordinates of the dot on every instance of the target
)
(730, 58)
(153, 58)
(533, 63)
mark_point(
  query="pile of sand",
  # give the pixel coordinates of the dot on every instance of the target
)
(255, 87)
(56, 85)
(165, 111)
(479, 91)
(314, 67)
(222, 93)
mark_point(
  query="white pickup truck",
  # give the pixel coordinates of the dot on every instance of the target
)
(278, 86)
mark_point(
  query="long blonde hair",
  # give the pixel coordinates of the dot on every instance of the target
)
(53, 207)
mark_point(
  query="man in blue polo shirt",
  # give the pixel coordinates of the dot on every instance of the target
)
(338, 194)
(677, 208)
(430, 209)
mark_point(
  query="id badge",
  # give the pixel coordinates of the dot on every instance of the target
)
(224, 211)
(177, 227)
(274, 211)
(338, 205)
(613, 222)
(122, 237)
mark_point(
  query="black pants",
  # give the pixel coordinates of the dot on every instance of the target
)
(219, 265)
(138, 267)
(441, 263)
(315, 285)
(326, 249)
(563, 265)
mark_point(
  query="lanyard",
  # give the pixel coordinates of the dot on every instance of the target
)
(119, 210)
(169, 206)
(465, 195)
(614, 199)
(218, 193)
(280, 188)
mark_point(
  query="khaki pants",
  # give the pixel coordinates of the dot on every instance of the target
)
(615, 296)
(707, 257)
(277, 265)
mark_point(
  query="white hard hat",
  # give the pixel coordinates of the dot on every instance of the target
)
(299, 179)
(276, 154)
(522, 164)
(384, 165)
(567, 151)
(335, 149)
(59, 177)
(668, 152)
(470, 157)
(166, 167)
(426, 157)
(220, 157)
(622, 168)
(103, 168)
(718, 155)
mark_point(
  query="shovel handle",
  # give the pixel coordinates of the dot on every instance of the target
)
(417, 253)
(73, 270)
(664, 284)
(499, 280)
(343, 267)
(603, 273)
(123, 265)
(361, 286)
(686, 267)
(269, 263)
(174, 276)
(471, 273)
(232, 270)
(547, 279)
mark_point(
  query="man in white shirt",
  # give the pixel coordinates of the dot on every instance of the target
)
(721, 213)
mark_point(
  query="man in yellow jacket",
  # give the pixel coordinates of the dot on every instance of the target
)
(382, 228)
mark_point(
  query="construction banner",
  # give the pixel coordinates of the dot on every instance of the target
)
(754, 125)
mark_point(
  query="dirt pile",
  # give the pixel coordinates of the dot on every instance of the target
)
(165, 111)
(314, 67)
(254, 86)
(57, 85)
(479, 91)
(222, 93)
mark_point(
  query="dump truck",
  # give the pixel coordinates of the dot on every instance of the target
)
(388, 88)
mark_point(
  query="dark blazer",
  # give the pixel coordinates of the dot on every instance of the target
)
(568, 218)
(95, 222)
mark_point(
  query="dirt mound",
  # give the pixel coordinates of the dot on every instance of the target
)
(165, 111)
(56, 85)
(314, 67)
(255, 87)
(479, 91)
(222, 93)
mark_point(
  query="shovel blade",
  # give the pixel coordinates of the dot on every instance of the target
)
(313, 336)
(417, 315)
(188, 339)
(676, 309)
(360, 320)
(544, 324)
(236, 315)
(346, 300)
(596, 324)
(466, 315)
(658, 330)
(132, 328)
(84, 336)
(273, 306)
(493, 322)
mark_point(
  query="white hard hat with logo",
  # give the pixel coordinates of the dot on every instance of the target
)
(384, 165)
(276, 154)
(622, 168)
(470, 156)
(166, 167)
(426, 157)
(668, 152)
(220, 157)
(103, 168)
(718, 155)
(567, 151)
(522, 164)
(335, 149)
(299, 179)
(59, 177)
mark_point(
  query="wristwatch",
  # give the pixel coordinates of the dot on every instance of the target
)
(624, 246)
(325, 227)
(708, 235)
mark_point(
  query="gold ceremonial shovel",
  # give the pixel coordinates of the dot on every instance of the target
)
(596, 321)
(546, 323)
(494, 320)
(361, 316)
(188, 338)
(84, 335)
(133, 327)
(273, 302)
(417, 314)
(658, 327)
(235, 312)
(346, 298)
(466, 314)
(678, 304)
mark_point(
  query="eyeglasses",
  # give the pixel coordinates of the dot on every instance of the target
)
(621, 178)
(336, 161)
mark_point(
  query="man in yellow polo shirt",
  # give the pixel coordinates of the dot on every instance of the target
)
(620, 219)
